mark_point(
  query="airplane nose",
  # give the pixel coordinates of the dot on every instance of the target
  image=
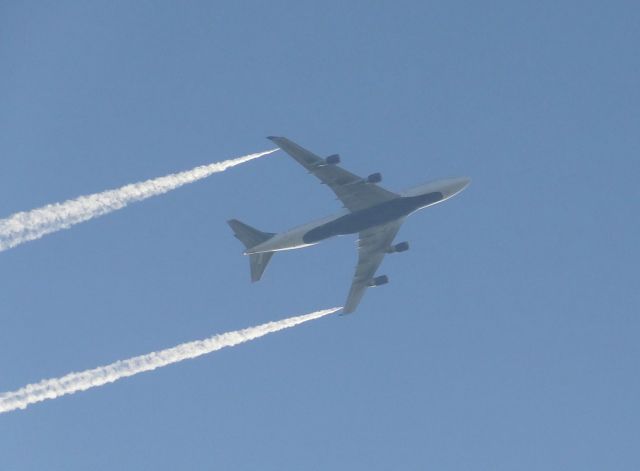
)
(456, 185)
(463, 182)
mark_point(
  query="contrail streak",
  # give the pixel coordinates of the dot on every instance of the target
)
(30, 225)
(74, 382)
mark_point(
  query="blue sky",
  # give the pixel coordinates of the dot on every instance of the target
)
(507, 337)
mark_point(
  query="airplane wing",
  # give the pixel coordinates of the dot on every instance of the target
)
(372, 247)
(354, 192)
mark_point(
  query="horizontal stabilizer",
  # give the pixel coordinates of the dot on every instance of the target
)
(258, 262)
(248, 235)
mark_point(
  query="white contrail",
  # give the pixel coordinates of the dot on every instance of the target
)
(30, 225)
(74, 382)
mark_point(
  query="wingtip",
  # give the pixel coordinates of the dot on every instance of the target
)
(345, 311)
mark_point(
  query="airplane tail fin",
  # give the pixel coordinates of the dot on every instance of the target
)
(251, 237)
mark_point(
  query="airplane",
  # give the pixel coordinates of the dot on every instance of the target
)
(373, 212)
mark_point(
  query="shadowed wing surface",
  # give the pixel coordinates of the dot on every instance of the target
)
(351, 189)
(372, 247)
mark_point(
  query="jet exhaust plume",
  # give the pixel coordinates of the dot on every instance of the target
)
(74, 382)
(30, 225)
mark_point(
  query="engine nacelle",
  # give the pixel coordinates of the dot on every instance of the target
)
(333, 159)
(374, 178)
(379, 280)
(401, 247)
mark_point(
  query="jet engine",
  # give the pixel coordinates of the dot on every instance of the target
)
(400, 247)
(333, 159)
(379, 280)
(374, 178)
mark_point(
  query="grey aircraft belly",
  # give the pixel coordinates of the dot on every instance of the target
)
(370, 211)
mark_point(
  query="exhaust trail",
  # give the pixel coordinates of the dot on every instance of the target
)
(74, 382)
(30, 225)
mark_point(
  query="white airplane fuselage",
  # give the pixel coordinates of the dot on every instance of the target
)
(347, 222)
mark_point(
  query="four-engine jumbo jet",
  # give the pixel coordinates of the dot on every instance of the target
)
(371, 211)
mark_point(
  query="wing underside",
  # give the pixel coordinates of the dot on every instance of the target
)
(354, 192)
(373, 245)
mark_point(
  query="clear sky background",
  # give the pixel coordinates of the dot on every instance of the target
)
(508, 335)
